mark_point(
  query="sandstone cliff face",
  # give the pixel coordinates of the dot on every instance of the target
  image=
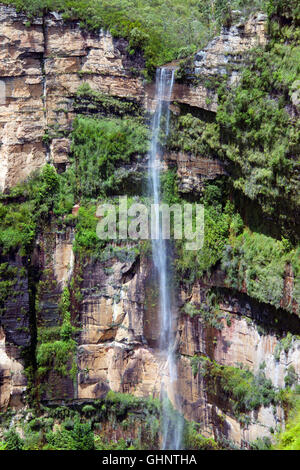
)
(12, 380)
(114, 353)
(118, 350)
(119, 332)
(41, 68)
(15, 334)
(239, 342)
(22, 117)
(222, 57)
(226, 49)
(193, 171)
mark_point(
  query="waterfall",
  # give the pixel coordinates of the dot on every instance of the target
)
(171, 430)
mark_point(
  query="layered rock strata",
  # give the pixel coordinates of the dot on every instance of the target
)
(41, 67)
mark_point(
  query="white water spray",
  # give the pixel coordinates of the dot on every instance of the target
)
(171, 428)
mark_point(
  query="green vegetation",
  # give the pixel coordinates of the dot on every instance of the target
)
(249, 258)
(169, 188)
(191, 265)
(237, 389)
(99, 146)
(291, 379)
(79, 437)
(19, 221)
(43, 204)
(283, 345)
(121, 403)
(263, 443)
(256, 129)
(12, 441)
(39, 436)
(103, 444)
(262, 139)
(287, 12)
(193, 440)
(258, 262)
(191, 134)
(199, 365)
(86, 240)
(162, 29)
(54, 355)
(82, 427)
(256, 132)
(58, 355)
(10, 276)
(17, 226)
(88, 101)
(257, 120)
(289, 439)
(209, 311)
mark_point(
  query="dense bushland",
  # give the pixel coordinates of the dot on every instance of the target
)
(82, 426)
(99, 146)
(25, 210)
(261, 133)
(289, 439)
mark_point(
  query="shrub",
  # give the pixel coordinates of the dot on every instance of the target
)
(57, 355)
(191, 134)
(191, 265)
(13, 441)
(89, 101)
(289, 439)
(263, 443)
(291, 377)
(78, 438)
(193, 440)
(257, 262)
(240, 389)
(86, 239)
(260, 137)
(100, 146)
(209, 311)
(101, 444)
(20, 220)
(284, 344)
(88, 410)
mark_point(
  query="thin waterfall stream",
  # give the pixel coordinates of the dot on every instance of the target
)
(171, 429)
